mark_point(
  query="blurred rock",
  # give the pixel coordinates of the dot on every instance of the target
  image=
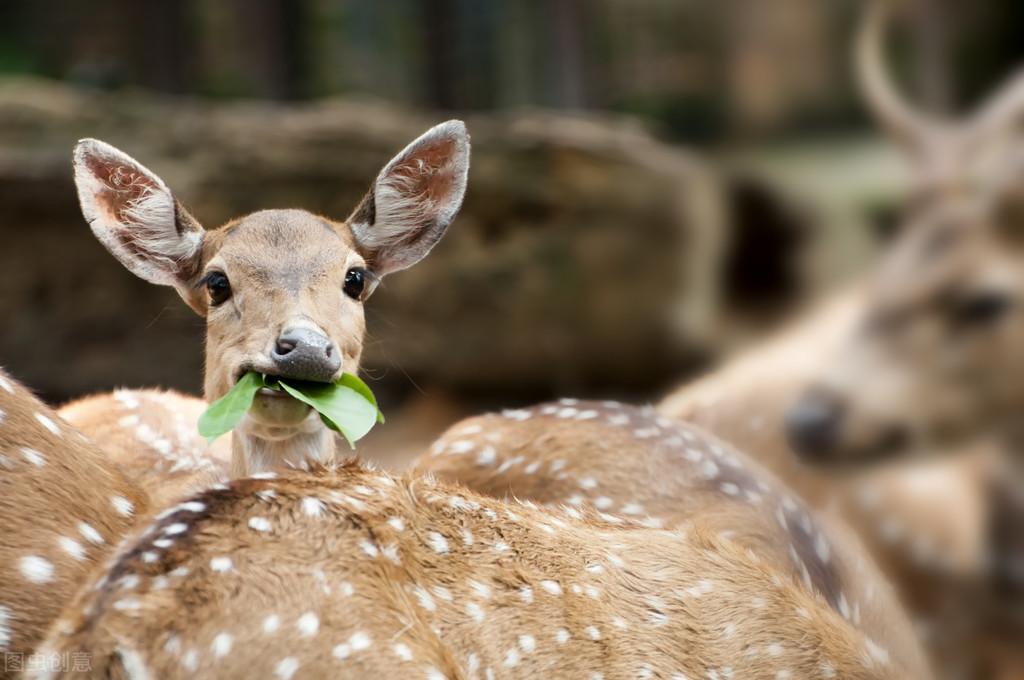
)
(585, 255)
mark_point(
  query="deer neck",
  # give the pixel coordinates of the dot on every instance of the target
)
(253, 453)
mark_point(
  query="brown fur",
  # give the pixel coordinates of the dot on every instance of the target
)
(64, 507)
(151, 435)
(630, 461)
(366, 560)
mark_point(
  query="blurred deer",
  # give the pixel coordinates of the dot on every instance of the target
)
(282, 291)
(63, 507)
(350, 573)
(628, 461)
(936, 355)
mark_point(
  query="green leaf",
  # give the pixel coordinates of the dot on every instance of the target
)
(346, 406)
(224, 414)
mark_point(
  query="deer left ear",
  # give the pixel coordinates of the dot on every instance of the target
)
(414, 199)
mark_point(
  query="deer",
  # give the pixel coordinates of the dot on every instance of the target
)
(621, 460)
(347, 572)
(282, 291)
(64, 507)
(935, 357)
(923, 521)
(152, 436)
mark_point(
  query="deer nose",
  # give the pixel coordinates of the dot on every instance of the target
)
(305, 354)
(813, 425)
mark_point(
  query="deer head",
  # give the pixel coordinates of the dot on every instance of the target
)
(282, 291)
(937, 354)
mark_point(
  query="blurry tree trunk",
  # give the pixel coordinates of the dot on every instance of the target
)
(273, 32)
(440, 78)
(566, 71)
(161, 48)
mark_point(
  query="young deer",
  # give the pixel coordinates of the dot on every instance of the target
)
(152, 436)
(63, 506)
(282, 291)
(631, 462)
(351, 573)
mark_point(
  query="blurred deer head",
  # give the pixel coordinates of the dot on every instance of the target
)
(940, 352)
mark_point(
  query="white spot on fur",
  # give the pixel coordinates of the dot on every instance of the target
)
(48, 423)
(71, 547)
(592, 632)
(33, 456)
(259, 524)
(286, 668)
(402, 651)
(426, 601)
(221, 564)
(176, 528)
(511, 658)
(588, 483)
(221, 645)
(481, 589)
(271, 623)
(397, 523)
(313, 507)
(551, 587)
(308, 624)
(487, 456)
(36, 569)
(527, 643)
(122, 505)
(193, 506)
(438, 543)
(475, 611)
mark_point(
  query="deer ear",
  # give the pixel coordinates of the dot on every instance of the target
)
(414, 199)
(133, 213)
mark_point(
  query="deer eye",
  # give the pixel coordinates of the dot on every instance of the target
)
(981, 308)
(359, 283)
(218, 286)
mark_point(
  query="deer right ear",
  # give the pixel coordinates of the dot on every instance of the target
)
(133, 213)
(414, 199)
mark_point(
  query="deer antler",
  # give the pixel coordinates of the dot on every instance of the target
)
(911, 128)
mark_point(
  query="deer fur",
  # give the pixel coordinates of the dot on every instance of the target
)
(64, 507)
(351, 573)
(152, 436)
(630, 461)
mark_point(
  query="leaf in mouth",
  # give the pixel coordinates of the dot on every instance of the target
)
(346, 406)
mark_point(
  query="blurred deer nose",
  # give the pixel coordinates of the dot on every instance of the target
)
(304, 354)
(813, 425)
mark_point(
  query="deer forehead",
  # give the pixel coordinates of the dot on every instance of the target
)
(290, 249)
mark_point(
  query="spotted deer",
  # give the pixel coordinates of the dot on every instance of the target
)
(923, 521)
(63, 507)
(153, 437)
(934, 355)
(350, 573)
(627, 461)
(935, 358)
(282, 291)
